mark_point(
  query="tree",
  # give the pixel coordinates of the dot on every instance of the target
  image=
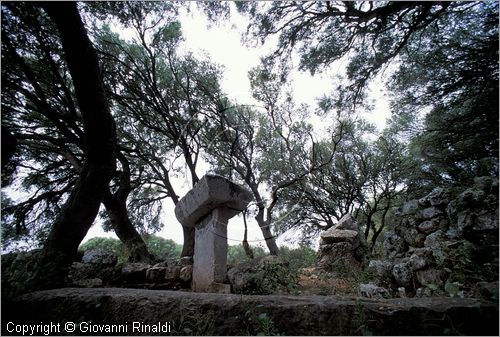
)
(48, 126)
(369, 34)
(161, 100)
(268, 148)
(452, 71)
(83, 203)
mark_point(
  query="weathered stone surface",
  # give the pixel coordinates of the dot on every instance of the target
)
(211, 192)
(371, 290)
(381, 269)
(208, 207)
(134, 272)
(429, 226)
(438, 197)
(155, 274)
(429, 276)
(394, 245)
(80, 274)
(410, 207)
(402, 274)
(88, 283)
(219, 288)
(336, 254)
(210, 250)
(171, 270)
(186, 261)
(334, 235)
(100, 256)
(347, 222)
(431, 212)
(343, 245)
(186, 273)
(420, 258)
(216, 314)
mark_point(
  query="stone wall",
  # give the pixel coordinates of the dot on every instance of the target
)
(444, 243)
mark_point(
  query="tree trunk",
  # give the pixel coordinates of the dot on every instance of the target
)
(188, 245)
(125, 230)
(82, 206)
(266, 232)
(246, 246)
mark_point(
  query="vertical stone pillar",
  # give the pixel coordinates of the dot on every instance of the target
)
(208, 207)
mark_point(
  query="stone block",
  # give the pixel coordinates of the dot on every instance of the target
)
(209, 193)
(334, 235)
(429, 276)
(100, 256)
(155, 274)
(134, 272)
(186, 273)
(347, 222)
(210, 250)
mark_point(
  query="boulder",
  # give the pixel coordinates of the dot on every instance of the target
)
(431, 212)
(409, 208)
(438, 197)
(394, 245)
(430, 276)
(402, 274)
(381, 269)
(100, 256)
(432, 225)
(421, 258)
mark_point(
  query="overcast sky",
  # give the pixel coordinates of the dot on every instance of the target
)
(223, 44)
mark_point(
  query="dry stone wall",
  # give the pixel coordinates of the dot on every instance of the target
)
(442, 243)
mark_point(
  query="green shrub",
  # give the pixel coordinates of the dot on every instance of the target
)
(236, 254)
(160, 248)
(111, 244)
(298, 258)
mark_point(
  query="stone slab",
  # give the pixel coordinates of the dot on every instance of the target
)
(212, 191)
(334, 235)
(210, 250)
(229, 314)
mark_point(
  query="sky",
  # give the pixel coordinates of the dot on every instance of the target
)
(222, 43)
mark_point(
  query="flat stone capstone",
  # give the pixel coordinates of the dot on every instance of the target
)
(211, 192)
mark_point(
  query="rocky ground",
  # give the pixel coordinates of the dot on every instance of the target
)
(221, 314)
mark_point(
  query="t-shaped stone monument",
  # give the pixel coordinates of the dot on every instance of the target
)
(208, 207)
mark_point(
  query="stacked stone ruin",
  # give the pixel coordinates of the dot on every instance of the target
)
(342, 245)
(436, 239)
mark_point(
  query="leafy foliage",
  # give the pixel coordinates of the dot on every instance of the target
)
(160, 248)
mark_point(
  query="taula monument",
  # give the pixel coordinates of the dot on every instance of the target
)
(207, 208)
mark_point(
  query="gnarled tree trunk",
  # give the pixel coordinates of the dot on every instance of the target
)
(82, 206)
(116, 206)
